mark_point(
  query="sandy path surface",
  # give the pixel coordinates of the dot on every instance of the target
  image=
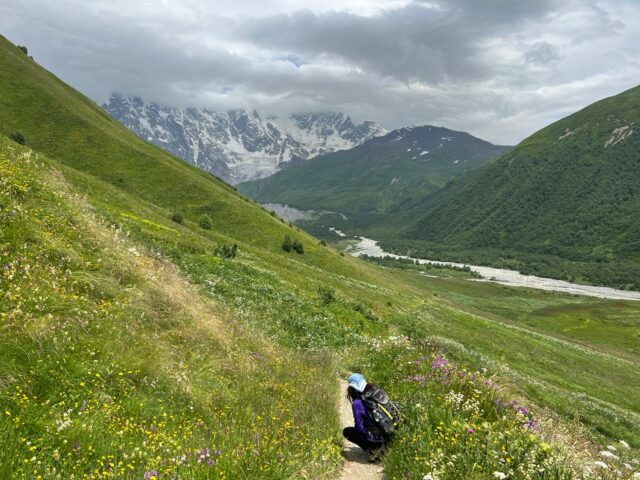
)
(356, 465)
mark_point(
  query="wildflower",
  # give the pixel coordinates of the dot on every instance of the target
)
(152, 475)
(439, 362)
(499, 475)
(601, 464)
(608, 454)
(429, 476)
(611, 447)
(624, 444)
(470, 430)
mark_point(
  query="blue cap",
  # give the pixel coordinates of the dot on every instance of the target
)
(357, 382)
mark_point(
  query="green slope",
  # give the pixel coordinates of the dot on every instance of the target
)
(371, 181)
(127, 345)
(565, 202)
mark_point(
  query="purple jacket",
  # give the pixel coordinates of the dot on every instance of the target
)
(363, 422)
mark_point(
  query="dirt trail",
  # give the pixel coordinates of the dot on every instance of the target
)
(356, 465)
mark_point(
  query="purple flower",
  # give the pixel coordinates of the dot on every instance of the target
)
(470, 430)
(203, 455)
(439, 362)
(152, 474)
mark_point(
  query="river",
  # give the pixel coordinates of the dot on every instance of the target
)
(367, 246)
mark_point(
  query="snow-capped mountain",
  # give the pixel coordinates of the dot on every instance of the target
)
(239, 145)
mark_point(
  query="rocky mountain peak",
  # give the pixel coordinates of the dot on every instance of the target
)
(239, 145)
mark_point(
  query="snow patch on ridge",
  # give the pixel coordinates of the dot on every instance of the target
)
(239, 145)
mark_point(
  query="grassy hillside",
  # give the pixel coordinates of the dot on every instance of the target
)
(132, 347)
(373, 180)
(565, 202)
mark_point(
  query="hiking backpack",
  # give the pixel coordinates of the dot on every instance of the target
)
(384, 412)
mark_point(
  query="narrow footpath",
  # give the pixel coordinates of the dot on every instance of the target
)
(356, 465)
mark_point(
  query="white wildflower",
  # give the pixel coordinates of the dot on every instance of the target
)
(600, 464)
(624, 444)
(607, 454)
(611, 447)
(499, 475)
(429, 476)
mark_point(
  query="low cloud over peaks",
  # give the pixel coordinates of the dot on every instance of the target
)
(493, 68)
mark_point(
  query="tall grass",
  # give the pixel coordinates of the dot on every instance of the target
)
(113, 367)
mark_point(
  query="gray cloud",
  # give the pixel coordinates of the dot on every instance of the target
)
(499, 68)
(542, 53)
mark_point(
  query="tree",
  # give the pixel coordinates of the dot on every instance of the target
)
(326, 294)
(205, 221)
(286, 243)
(226, 251)
(297, 246)
(177, 217)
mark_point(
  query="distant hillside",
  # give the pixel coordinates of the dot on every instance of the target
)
(570, 192)
(375, 178)
(239, 145)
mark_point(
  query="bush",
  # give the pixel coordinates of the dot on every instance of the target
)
(205, 221)
(177, 217)
(226, 251)
(297, 246)
(286, 243)
(17, 137)
(23, 49)
(326, 295)
(323, 242)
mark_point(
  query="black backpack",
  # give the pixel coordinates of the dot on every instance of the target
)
(384, 412)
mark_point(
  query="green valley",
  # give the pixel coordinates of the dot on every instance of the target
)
(134, 344)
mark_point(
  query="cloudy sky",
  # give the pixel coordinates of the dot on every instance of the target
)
(500, 69)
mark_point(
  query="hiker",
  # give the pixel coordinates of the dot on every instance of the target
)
(375, 416)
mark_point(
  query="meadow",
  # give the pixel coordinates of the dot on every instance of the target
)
(132, 348)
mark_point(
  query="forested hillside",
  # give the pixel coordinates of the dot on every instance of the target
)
(565, 202)
(369, 183)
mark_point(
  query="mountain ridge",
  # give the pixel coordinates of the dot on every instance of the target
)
(379, 176)
(238, 145)
(570, 191)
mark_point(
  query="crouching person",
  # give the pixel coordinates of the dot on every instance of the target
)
(375, 417)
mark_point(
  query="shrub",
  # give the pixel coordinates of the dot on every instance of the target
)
(326, 294)
(286, 243)
(205, 221)
(323, 242)
(226, 251)
(177, 217)
(17, 137)
(23, 49)
(297, 246)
